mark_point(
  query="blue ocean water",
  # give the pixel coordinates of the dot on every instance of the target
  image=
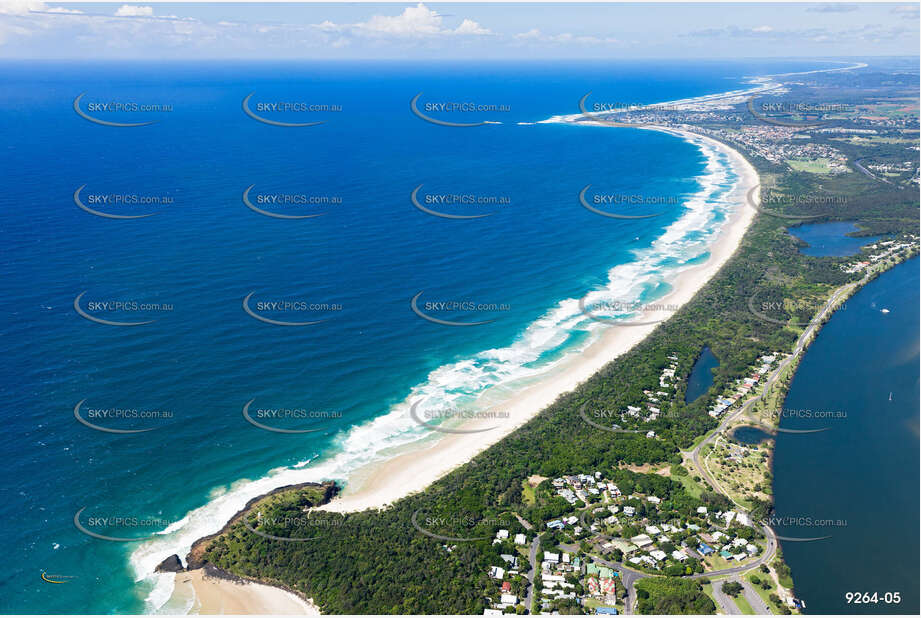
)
(856, 482)
(203, 358)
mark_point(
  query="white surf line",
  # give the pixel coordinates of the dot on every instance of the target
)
(764, 81)
(857, 65)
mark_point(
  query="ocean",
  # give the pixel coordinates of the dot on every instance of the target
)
(349, 376)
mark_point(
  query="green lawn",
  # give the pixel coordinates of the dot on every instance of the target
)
(690, 485)
(708, 590)
(764, 594)
(528, 493)
(743, 604)
(815, 166)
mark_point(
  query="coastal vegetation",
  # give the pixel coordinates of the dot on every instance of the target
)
(660, 596)
(431, 552)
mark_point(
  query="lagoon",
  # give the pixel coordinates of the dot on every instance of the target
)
(830, 239)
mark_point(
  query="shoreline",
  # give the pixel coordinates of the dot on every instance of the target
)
(379, 484)
(210, 591)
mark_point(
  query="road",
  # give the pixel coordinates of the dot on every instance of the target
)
(869, 173)
(753, 598)
(532, 559)
(801, 343)
(704, 471)
(726, 603)
(629, 577)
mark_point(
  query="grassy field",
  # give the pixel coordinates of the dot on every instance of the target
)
(708, 590)
(764, 594)
(528, 493)
(744, 605)
(814, 166)
(869, 141)
(693, 487)
(740, 478)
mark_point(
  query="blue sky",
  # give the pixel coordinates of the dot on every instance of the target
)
(152, 30)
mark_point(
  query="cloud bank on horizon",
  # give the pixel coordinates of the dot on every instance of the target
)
(38, 29)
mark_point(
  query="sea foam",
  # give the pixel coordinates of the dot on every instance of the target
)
(643, 279)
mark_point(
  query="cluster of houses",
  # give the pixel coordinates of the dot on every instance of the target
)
(886, 248)
(653, 548)
(742, 387)
(892, 168)
(731, 548)
(584, 487)
(507, 571)
(778, 145)
(652, 544)
(655, 400)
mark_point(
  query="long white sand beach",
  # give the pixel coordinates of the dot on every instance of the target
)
(419, 464)
(380, 484)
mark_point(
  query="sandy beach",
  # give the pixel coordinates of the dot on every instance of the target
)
(377, 485)
(380, 484)
(208, 595)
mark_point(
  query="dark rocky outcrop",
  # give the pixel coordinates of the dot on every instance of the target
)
(170, 565)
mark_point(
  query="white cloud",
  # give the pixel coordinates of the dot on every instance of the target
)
(20, 7)
(132, 10)
(907, 11)
(535, 35)
(762, 29)
(829, 7)
(468, 26)
(328, 26)
(414, 22)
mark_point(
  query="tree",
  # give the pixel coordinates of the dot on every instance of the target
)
(732, 588)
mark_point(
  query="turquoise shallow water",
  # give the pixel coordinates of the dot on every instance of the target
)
(204, 358)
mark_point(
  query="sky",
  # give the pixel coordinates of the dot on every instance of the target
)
(450, 30)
